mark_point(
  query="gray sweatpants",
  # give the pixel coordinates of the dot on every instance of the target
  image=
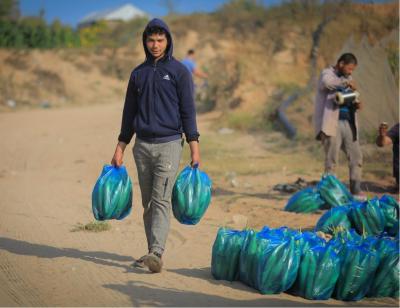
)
(344, 140)
(157, 165)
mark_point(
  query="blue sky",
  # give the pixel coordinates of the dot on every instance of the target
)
(71, 11)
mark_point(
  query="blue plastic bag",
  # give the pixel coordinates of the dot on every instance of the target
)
(269, 260)
(309, 240)
(386, 280)
(318, 273)
(356, 273)
(277, 264)
(112, 194)
(191, 195)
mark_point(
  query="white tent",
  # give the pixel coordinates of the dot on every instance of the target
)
(124, 13)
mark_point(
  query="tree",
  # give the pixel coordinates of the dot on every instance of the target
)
(9, 9)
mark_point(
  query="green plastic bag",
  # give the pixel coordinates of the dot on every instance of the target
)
(333, 219)
(367, 217)
(112, 194)
(357, 269)
(226, 253)
(333, 192)
(307, 200)
(386, 280)
(277, 262)
(248, 259)
(269, 259)
(318, 273)
(191, 195)
(390, 209)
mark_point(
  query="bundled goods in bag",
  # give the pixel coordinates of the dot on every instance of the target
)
(191, 195)
(307, 200)
(342, 238)
(333, 192)
(226, 253)
(333, 219)
(248, 259)
(390, 209)
(112, 194)
(394, 231)
(308, 240)
(269, 260)
(318, 273)
(385, 283)
(367, 217)
(277, 264)
(357, 269)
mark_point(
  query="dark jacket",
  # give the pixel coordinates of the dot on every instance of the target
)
(159, 104)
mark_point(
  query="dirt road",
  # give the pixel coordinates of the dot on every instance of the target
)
(50, 162)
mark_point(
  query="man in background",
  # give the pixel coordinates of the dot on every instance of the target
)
(390, 137)
(190, 63)
(336, 125)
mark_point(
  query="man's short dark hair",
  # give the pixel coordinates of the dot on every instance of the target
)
(347, 58)
(190, 52)
(154, 30)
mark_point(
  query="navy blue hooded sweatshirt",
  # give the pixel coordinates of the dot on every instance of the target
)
(159, 103)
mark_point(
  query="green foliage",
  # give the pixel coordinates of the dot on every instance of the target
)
(95, 226)
(111, 35)
(33, 32)
(9, 9)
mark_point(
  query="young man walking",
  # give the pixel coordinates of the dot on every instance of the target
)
(336, 125)
(159, 108)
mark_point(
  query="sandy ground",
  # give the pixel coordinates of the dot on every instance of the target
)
(50, 162)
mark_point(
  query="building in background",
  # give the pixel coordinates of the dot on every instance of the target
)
(125, 12)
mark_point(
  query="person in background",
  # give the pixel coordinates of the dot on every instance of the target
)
(190, 63)
(159, 108)
(336, 125)
(390, 137)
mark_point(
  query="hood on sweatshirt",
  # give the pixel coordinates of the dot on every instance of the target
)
(158, 23)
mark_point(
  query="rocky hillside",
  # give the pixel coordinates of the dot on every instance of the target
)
(255, 57)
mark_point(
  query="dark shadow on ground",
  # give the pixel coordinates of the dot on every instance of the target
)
(44, 251)
(145, 294)
(205, 274)
(377, 188)
(218, 191)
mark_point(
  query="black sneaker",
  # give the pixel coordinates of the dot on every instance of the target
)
(153, 262)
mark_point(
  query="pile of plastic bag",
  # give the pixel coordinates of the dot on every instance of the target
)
(372, 217)
(191, 195)
(347, 267)
(112, 194)
(328, 193)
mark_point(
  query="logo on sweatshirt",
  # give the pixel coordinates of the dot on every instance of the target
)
(166, 77)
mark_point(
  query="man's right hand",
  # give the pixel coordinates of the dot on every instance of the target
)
(118, 154)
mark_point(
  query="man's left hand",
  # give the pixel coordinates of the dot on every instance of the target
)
(194, 153)
(358, 105)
